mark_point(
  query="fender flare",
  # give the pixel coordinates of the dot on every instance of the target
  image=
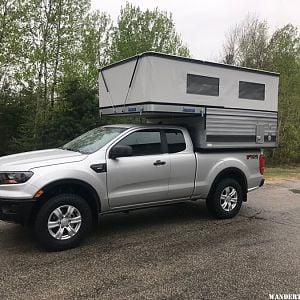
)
(74, 182)
(237, 173)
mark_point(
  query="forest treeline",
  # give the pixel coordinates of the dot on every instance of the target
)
(50, 52)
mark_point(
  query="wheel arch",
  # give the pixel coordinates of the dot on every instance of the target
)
(76, 186)
(234, 173)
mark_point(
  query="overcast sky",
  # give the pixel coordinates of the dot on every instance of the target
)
(203, 24)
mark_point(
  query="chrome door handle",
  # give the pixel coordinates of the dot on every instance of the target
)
(159, 163)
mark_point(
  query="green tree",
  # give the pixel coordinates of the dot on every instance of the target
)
(11, 18)
(92, 51)
(75, 113)
(284, 57)
(138, 31)
(15, 108)
(50, 54)
(246, 44)
(250, 45)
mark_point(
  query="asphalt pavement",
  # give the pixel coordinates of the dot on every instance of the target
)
(171, 252)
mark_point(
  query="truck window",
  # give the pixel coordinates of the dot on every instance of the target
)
(175, 140)
(144, 142)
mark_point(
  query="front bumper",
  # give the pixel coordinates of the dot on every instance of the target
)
(17, 211)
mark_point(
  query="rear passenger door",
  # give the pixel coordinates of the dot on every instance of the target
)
(183, 165)
(142, 177)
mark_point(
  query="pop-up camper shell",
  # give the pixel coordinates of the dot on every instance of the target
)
(223, 106)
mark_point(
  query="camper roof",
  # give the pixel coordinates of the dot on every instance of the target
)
(187, 59)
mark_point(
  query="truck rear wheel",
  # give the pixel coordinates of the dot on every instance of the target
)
(62, 222)
(226, 200)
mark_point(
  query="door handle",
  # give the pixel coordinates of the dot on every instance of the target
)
(159, 163)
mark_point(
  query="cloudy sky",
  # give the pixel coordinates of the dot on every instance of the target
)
(203, 24)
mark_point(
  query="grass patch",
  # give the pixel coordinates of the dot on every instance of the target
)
(283, 172)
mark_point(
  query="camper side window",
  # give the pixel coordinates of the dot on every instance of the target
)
(251, 90)
(202, 85)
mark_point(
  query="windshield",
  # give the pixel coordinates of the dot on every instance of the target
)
(93, 140)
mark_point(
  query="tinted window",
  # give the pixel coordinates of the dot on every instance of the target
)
(202, 85)
(175, 140)
(144, 142)
(251, 90)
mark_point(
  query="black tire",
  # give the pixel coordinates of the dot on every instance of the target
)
(214, 202)
(61, 202)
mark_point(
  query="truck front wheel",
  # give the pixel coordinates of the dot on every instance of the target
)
(62, 222)
(226, 199)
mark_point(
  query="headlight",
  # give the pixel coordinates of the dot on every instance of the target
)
(14, 177)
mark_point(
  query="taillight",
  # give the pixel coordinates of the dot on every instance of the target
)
(262, 161)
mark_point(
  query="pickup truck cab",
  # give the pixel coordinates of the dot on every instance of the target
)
(61, 192)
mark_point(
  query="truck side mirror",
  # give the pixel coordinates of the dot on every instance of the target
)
(120, 151)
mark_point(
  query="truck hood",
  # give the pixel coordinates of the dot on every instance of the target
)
(34, 159)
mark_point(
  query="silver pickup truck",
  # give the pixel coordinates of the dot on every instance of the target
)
(61, 192)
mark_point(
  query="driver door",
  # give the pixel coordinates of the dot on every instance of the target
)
(142, 177)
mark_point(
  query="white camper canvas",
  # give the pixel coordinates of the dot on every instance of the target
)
(155, 78)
